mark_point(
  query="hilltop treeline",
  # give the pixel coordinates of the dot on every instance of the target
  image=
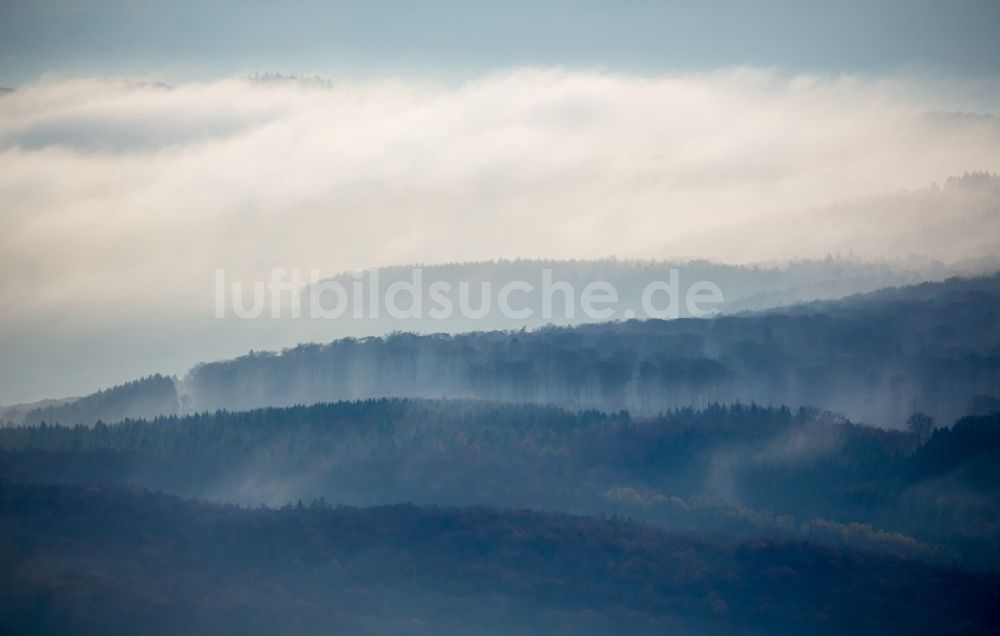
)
(147, 397)
(875, 358)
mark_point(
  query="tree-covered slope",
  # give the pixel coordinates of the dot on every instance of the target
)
(875, 358)
(147, 397)
(748, 470)
(99, 561)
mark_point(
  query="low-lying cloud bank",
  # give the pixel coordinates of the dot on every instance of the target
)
(120, 199)
(110, 185)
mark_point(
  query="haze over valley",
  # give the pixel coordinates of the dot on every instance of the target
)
(529, 318)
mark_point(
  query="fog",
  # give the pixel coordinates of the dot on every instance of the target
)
(122, 198)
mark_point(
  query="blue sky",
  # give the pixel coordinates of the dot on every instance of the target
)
(188, 39)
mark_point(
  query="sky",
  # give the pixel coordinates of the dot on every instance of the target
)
(148, 144)
(192, 39)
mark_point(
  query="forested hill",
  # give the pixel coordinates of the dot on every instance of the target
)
(147, 397)
(100, 561)
(876, 358)
(955, 290)
(749, 470)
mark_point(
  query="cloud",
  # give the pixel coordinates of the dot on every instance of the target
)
(121, 198)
